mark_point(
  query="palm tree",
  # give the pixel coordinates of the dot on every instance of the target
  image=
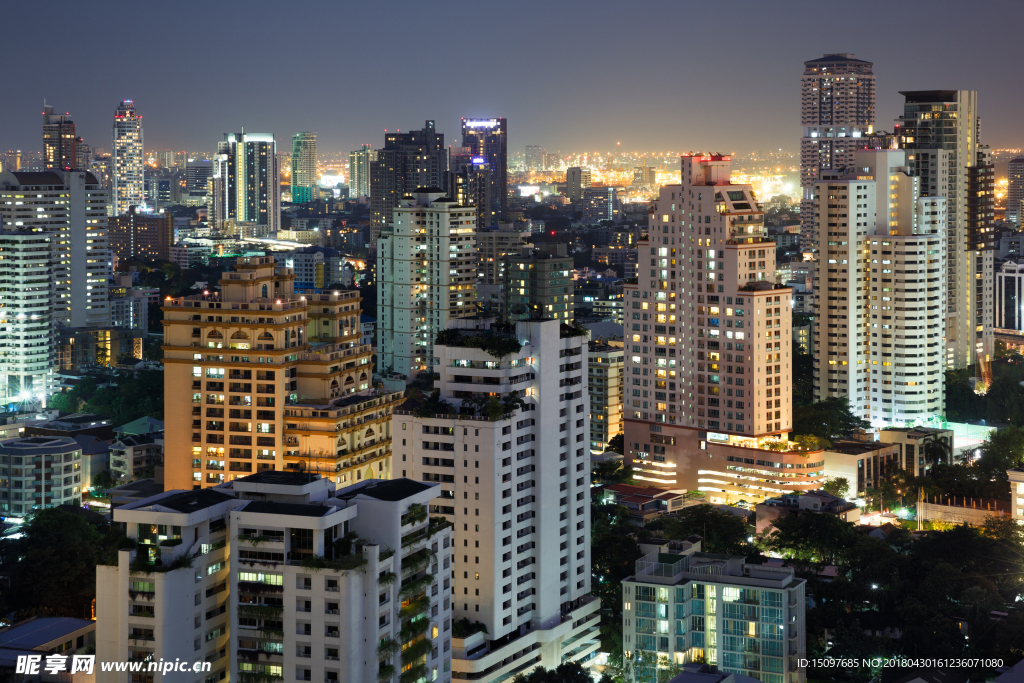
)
(937, 451)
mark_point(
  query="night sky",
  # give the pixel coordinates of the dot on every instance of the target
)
(570, 76)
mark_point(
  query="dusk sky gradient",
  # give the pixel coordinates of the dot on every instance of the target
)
(570, 76)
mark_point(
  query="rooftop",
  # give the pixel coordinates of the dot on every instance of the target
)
(38, 445)
(281, 478)
(393, 490)
(922, 96)
(185, 501)
(839, 57)
(40, 631)
(290, 509)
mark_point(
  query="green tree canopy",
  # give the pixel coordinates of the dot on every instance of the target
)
(830, 419)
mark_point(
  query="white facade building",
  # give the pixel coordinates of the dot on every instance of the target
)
(27, 333)
(427, 269)
(127, 160)
(280, 575)
(880, 327)
(1009, 296)
(515, 483)
(72, 207)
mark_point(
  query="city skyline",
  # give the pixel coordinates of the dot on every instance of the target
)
(577, 114)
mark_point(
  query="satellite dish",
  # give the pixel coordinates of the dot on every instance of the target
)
(518, 309)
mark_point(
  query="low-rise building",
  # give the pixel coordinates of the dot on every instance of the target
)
(912, 443)
(861, 463)
(40, 637)
(819, 502)
(281, 575)
(39, 472)
(645, 503)
(683, 606)
(132, 455)
(1016, 476)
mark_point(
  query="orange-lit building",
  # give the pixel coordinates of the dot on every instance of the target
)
(265, 378)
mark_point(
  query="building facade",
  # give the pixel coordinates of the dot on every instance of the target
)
(28, 350)
(305, 178)
(284, 384)
(427, 268)
(837, 106)
(605, 382)
(879, 328)
(1015, 192)
(249, 188)
(488, 140)
(127, 160)
(539, 283)
(1009, 297)
(39, 472)
(133, 235)
(521, 513)
(683, 605)
(72, 208)
(576, 180)
(940, 131)
(359, 171)
(60, 142)
(708, 344)
(494, 246)
(295, 574)
(407, 161)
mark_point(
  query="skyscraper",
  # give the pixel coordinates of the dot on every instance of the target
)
(468, 182)
(880, 320)
(522, 558)
(534, 158)
(128, 188)
(488, 139)
(427, 270)
(70, 206)
(1015, 192)
(837, 105)
(60, 144)
(940, 131)
(27, 336)
(576, 181)
(406, 162)
(708, 345)
(304, 173)
(249, 190)
(359, 171)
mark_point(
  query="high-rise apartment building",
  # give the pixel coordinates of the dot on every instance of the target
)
(534, 158)
(515, 482)
(27, 331)
(605, 384)
(427, 268)
(600, 204)
(683, 605)
(940, 131)
(127, 160)
(278, 379)
(493, 247)
(282, 572)
(304, 173)
(1015, 192)
(468, 182)
(407, 161)
(359, 171)
(539, 283)
(487, 139)
(135, 235)
(880, 320)
(1009, 296)
(60, 143)
(249, 190)
(708, 346)
(72, 208)
(198, 174)
(837, 106)
(576, 181)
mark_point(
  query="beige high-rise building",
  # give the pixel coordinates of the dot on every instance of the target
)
(940, 130)
(708, 346)
(837, 107)
(277, 379)
(879, 335)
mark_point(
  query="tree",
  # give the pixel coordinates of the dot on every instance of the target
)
(1003, 450)
(567, 672)
(612, 472)
(722, 532)
(830, 419)
(617, 443)
(55, 574)
(101, 481)
(962, 404)
(937, 450)
(803, 376)
(102, 354)
(837, 486)
(810, 537)
(126, 359)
